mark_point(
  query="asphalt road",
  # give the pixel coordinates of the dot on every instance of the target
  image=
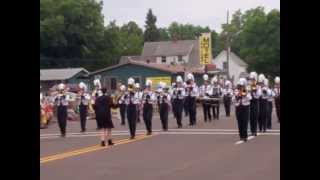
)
(207, 151)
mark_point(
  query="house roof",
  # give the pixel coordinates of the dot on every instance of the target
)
(233, 57)
(59, 74)
(163, 67)
(168, 48)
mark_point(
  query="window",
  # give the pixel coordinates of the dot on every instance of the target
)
(163, 59)
(180, 59)
(225, 65)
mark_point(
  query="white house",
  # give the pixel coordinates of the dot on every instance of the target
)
(237, 67)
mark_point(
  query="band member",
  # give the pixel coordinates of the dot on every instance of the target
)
(83, 105)
(263, 104)
(255, 92)
(191, 94)
(227, 93)
(138, 95)
(177, 95)
(171, 92)
(164, 99)
(276, 90)
(269, 104)
(131, 102)
(95, 94)
(216, 94)
(62, 102)
(122, 104)
(242, 99)
(204, 95)
(148, 100)
(185, 105)
(103, 105)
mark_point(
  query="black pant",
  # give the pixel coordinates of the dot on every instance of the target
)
(164, 112)
(123, 113)
(132, 118)
(138, 113)
(227, 104)
(215, 109)
(206, 111)
(83, 116)
(173, 105)
(192, 110)
(254, 115)
(277, 102)
(147, 116)
(62, 115)
(262, 123)
(178, 103)
(269, 115)
(185, 107)
(242, 115)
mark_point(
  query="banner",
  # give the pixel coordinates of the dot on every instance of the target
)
(205, 48)
(156, 80)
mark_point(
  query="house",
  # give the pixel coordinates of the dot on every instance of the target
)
(168, 52)
(237, 67)
(111, 76)
(52, 77)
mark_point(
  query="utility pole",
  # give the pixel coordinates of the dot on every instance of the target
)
(228, 46)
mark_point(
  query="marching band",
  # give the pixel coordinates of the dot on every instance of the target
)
(253, 100)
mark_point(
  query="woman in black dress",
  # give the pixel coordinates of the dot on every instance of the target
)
(103, 105)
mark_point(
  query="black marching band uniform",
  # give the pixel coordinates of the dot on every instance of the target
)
(191, 93)
(148, 100)
(164, 100)
(122, 104)
(177, 96)
(216, 94)
(139, 94)
(269, 104)
(242, 104)
(227, 93)
(276, 90)
(62, 103)
(263, 104)
(131, 102)
(255, 92)
(204, 95)
(84, 99)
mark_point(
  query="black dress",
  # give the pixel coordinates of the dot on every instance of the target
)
(103, 106)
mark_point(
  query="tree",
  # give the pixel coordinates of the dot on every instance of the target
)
(70, 28)
(151, 33)
(164, 35)
(131, 39)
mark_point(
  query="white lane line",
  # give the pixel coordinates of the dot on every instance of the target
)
(158, 130)
(164, 133)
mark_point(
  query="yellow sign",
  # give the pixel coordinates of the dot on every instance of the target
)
(205, 48)
(156, 80)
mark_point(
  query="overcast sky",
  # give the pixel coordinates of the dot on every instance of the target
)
(210, 13)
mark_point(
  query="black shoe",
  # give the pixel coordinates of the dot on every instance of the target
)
(132, 137)
(63, 135)
(245, 139)
(82, 131)
(149, 133)
(264, 131)
(110, 143)
(97, 128)
(103, 143)
(122, 124)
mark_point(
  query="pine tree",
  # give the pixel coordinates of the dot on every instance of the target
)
(151, 33)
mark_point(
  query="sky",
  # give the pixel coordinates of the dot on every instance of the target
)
(210, 13)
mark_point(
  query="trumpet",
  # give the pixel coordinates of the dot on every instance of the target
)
(254, 87)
